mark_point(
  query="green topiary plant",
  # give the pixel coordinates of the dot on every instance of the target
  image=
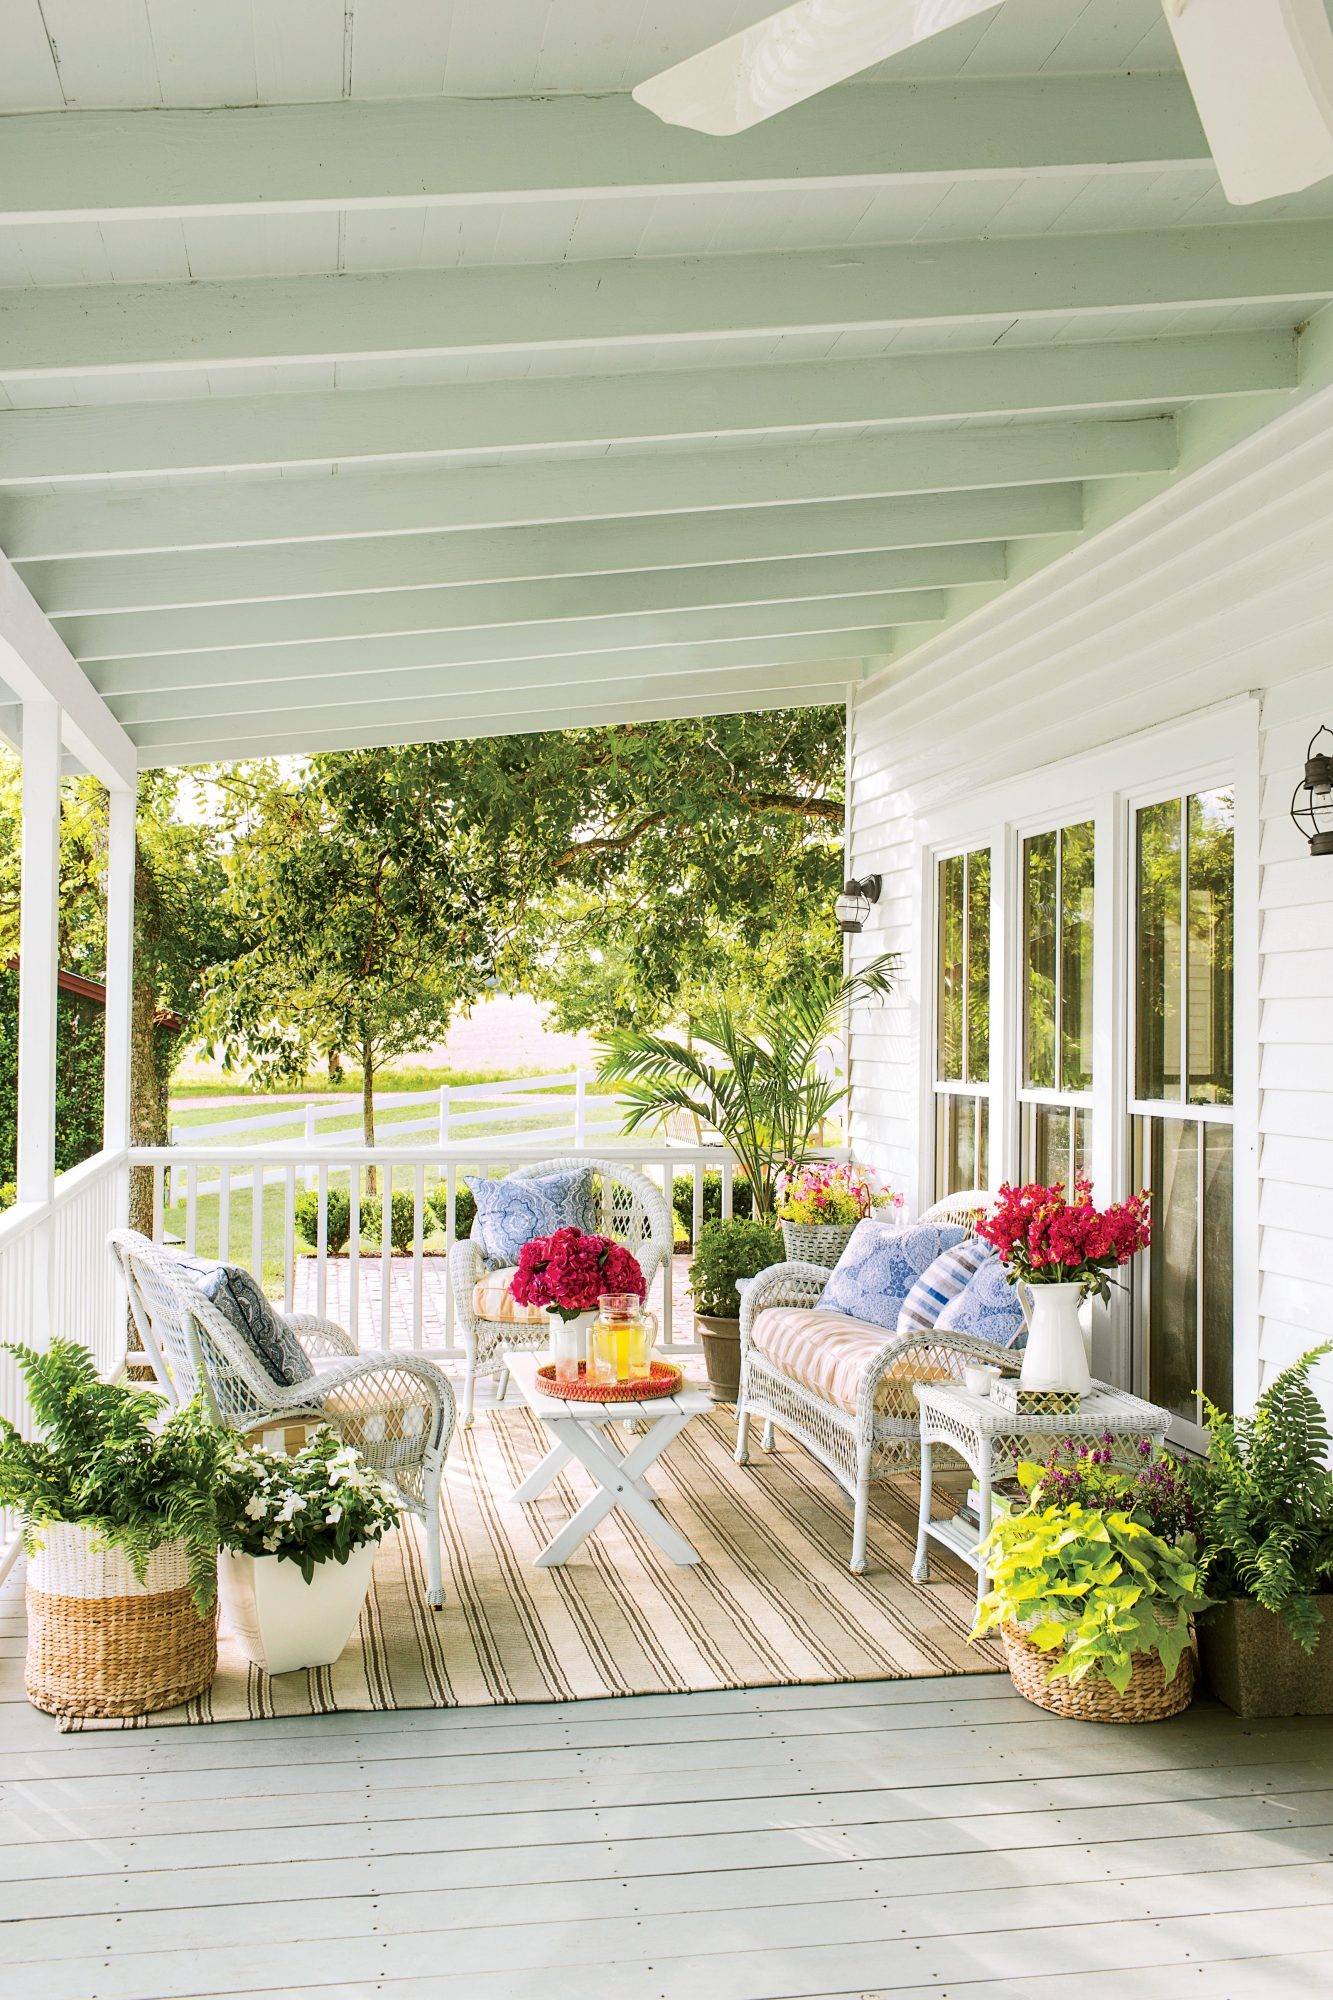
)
(682, 1198)
(465, 1209)
(1091, 1587)
(728, 1251)
(103, 1464)
(338, 1224)
(402, 1221)
(1264, 1496)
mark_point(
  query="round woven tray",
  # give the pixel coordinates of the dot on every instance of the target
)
(1148, 1698)
(663, 1380)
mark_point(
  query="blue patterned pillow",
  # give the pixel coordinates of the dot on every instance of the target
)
(880, 1266)
(512, 1212)
(987, 1308)
(940, 1282)
(238, 1297)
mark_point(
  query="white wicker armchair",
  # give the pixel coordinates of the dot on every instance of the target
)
(397, 1409)
(882, 1435)
(629, 1208)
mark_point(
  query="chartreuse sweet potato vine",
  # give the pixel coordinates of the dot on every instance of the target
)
(1090, 1588)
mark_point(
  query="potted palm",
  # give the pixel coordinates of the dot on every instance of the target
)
(728, 1253)
(120, 1524)
(1264, 1495)
(760, 1081)
(299, 1538)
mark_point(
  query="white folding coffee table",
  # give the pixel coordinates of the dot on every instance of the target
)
(621, 1480)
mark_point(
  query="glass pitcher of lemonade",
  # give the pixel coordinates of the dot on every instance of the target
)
(621, 1343)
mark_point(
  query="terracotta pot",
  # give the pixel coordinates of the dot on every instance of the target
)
(722, 1355)
(1251, 1662)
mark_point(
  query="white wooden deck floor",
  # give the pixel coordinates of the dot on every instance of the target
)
(910, 1838)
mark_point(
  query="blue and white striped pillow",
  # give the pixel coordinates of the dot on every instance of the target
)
(940, 1282)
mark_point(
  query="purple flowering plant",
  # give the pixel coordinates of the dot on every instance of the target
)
(1083, 1472)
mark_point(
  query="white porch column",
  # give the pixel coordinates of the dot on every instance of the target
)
(38, 951)
(122, 803)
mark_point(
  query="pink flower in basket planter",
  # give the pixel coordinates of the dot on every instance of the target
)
(570, 1271)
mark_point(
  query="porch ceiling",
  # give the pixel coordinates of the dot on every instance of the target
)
(430, 389)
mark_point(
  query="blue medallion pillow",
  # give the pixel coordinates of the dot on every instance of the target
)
(940, 1282)
(880, 1266)
(238, 1297)
(987, 1308)
(512, 1212)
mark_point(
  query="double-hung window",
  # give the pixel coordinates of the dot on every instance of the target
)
(1182, 1106)
(1055, 1082)
(962, 1026)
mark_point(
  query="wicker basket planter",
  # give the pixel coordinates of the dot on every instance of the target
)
(1148, 1698)
(102, 1643)
(816, 1242)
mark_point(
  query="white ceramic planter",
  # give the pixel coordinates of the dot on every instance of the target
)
(281, 1621)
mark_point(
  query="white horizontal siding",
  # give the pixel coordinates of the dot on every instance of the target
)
(1221, 588)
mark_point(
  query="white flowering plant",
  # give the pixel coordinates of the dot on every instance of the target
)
(316, 1506)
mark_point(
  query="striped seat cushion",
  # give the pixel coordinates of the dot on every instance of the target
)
(830, 1355)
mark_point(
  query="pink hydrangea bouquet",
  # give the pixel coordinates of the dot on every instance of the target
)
(569, 1271)
(1046, 1239)
(830, 1192)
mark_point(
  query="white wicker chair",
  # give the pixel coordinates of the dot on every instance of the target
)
(397, 1409)
(882, 1437)
(630, 1209)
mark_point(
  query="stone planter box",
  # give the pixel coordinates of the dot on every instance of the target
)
(1251, 1662)
(722, 1355)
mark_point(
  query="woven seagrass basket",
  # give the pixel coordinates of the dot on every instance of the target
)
(102, 1643)
(1148, 1698)
(816, 1242)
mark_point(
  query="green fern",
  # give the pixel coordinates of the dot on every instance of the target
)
(106, 1461)
(1265, 1501)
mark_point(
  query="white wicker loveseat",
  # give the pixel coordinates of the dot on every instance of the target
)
(397, 1409)
(629, 1209)
(862, 1420)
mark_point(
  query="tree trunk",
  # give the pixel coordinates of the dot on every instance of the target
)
(150, 1077)
(368, 1104)
(335, 1062)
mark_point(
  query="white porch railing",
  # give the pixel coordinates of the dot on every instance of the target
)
(384, 1299)
(56, 1277)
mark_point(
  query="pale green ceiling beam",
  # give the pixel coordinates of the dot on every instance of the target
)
(241, 513)
(517, 720)
(105, 166)
(337, 626)
(397, 659)
(92, 330)
(495, 712)
(239, 433)
(472, 671)
(658, 543)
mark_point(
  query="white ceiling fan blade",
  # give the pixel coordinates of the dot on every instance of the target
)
(791, 56)
(1262, 76)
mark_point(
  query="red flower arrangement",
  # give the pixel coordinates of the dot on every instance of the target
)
(571, 1271)
(1046, 1239)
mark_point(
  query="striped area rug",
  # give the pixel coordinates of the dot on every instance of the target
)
(772, 1602)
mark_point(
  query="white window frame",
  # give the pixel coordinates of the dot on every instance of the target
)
(1024, 1093)
(937, 1087)
(1214, 747)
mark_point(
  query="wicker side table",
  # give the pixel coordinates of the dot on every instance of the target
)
(992, 1440)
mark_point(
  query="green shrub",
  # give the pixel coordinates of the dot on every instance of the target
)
(728, 1251)
(465, 1209)
(1264, 1497)
(339, 1224)
(402, 1220)
(682, 1198)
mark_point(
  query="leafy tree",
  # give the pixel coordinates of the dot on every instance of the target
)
(355, 886)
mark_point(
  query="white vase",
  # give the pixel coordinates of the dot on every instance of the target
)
(570, 1345)
(1056, 1356)
(282, 1622)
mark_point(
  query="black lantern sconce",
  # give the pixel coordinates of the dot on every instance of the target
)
(1312, 800)
(853, 905)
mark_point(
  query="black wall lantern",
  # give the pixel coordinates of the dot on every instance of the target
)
(1312, 800)
(853, 905)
